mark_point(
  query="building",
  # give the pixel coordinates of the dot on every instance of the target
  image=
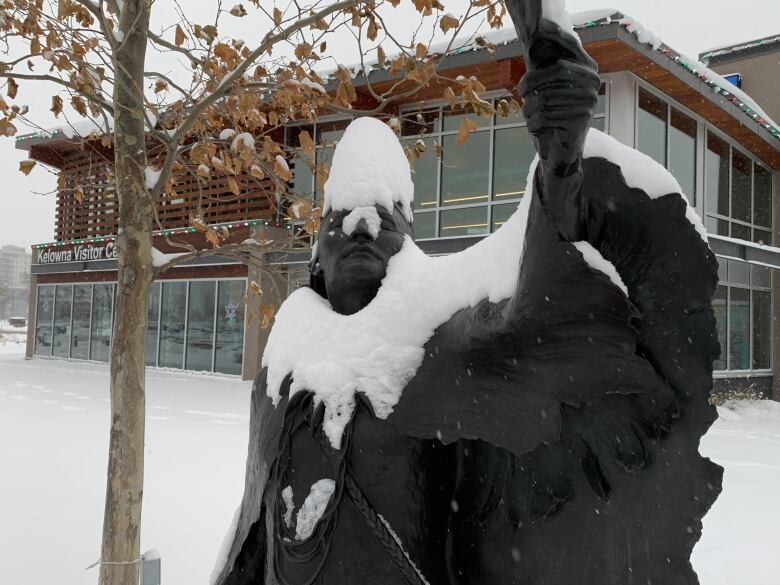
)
(723, 149)
(753, 66)
(14, 281)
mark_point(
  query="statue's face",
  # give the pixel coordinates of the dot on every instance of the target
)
(354, 264)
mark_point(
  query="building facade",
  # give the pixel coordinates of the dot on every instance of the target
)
(14, 281)
(725, 158)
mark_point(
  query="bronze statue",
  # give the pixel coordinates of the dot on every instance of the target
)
(548, 438)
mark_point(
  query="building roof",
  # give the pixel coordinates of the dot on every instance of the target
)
(720, 55)
(617, 42)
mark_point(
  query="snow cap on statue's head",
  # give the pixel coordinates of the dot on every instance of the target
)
(369, 168)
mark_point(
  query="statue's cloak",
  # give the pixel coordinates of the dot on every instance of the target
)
(561, 426)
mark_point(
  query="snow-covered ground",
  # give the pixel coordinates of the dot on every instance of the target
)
(53, 437)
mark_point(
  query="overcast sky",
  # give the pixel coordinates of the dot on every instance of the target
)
(690, 26)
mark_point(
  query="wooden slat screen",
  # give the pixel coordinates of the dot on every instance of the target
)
(95, 214)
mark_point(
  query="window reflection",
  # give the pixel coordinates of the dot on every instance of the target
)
(465, 169)
(102, 309)
(682, 152)
(741, 171)
(43, 317)
(470, 221)
(651, 126)
(172, 313)
(739, 328)
(229, 347)
(153, 325)
(82, 309)
(720, 307)
(717, 176)
(200, 325)
(512, 157)
(62, 307)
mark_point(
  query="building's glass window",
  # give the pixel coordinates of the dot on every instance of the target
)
(682, 151)
(720, 308)
(741, 173)
(762, 323)
(200, 325)
(743, 309)
(63, 299)
(229, 347)
(44, 315)
(738, 200)
(465, 170)
(207, 322)
(173, 310)
(82, 311)
(153, 325)
(102, 309)
(717, 184)
(762, 205)
(669, 137)
(739, 328)
(652, 120)
(460, 190)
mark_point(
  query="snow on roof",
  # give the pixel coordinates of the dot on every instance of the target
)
(738, 48)
(369, 168)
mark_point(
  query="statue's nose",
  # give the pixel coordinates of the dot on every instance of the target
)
(362, 231)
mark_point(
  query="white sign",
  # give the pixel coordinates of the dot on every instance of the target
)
(83, 253)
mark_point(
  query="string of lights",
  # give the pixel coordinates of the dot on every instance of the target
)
(168, 232)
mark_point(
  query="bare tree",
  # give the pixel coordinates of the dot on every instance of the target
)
(220, 114)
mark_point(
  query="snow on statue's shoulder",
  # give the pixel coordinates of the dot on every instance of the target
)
(369, 168)
(640, 171)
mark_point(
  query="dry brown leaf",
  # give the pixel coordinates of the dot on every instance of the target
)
(306, 143)
(180, 36)
(281, 169)
(380, 56)
(78, 194)
(267, 311)
(160, 85)
(238, 10)
(466, 127)
(79, 105)
(26, 166)
(448, 22)
(277, 16)
(373, 28)
(56, 105)
(257, 172)
(13, 87)
(420, 50)
(233, 186)
(449, 96)
(213, 238)
(255, 289)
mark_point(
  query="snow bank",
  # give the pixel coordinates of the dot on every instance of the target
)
(369, 214)
(369, 168)
(313, 508)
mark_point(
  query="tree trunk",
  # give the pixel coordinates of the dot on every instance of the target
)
(124, 486)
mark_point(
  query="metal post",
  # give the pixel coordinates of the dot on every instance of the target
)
(150, 567)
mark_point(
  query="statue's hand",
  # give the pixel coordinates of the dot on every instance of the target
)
(558, 102)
